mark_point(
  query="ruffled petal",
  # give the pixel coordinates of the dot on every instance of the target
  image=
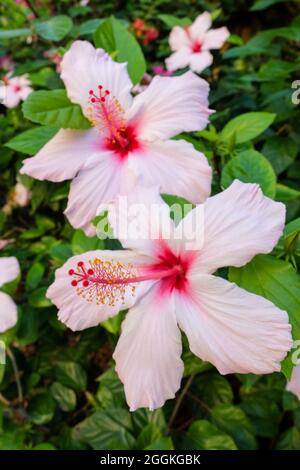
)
(97, 184)
(148, 353)
(235, 330)
(8, 312)
(79, 313)
(179, 59)
(63, 156)
(215, 38)
(239, 223)
(176, 168)
(9, 269)
(201, 24)
(83, 68)
(171, 105)
(200, 61)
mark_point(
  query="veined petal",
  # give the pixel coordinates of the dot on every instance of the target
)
(239, 223)
(63, 156)
(294, 384)
(179, 59)
(175, 167)
(97, 184)
(215, 38)
(84, 68)
(171, 105)
(235, 330)
(201, 24)
(9, 269)
(148, 353)
(82, 307)
(178, 38)
(200, 61)
(8, 312)
(140, 219)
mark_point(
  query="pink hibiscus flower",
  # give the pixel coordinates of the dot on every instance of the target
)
(293, 385)
(191, 45)
(129, 138)
(9, 270)
(14, 89)
(167, 287)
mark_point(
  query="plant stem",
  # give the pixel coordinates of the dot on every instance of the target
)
(16, 373)
(179, 401)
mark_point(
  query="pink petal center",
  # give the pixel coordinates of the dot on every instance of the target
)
(196, 47)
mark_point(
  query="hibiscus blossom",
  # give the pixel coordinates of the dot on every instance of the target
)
(129, 138)
(191, 45)
(168, 284)
(14, 89)
(293, 385)
(9, 270)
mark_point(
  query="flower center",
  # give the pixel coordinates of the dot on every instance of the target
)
(108, 282)
(196, 46)
(107, 115)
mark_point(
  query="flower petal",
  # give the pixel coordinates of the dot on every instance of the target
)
(94, 185)
(178, 39)
(235, 330)
(77, 312)
(140, 219)
(200, 61)
(215, 38)
(171, 105)
(9, 269)
(176, 167)
(294, 384)
(8, 312)
(239, 223)
(201, 24)
(63, 156)
(83, 68)
(10, 98)
(179, 59)
(148, 353)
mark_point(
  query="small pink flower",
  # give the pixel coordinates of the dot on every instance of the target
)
(14, 89)
(130, 137)
(293, 385)
(9, 270)
(191, 45)
(6, 63)
(167, 287)
(159, 70)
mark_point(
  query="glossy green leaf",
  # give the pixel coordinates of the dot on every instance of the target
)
(203, 435)
(31, 141)
(246, 126)
(54, 29)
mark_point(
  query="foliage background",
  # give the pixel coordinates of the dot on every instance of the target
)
(58, 388)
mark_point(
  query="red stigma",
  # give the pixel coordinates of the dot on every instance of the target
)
(74, 283)
(71, 272)
(80, 264)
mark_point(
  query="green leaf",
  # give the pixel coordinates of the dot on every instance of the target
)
(41, 408)
(14, 33)
(246, 126)
(65, 397)
(38, 298)
(284, 193)
(281, 152)
(71, 375)
(34, 275)
(54, 109)
(54, 29)
(171, 20)
(263, 4)
(202, 435)
(81, 243)
(111, 391)
(233, 420)
(112, 36)
(107, 429)
(213, 389)
(250, 166)
(289, 440)
(89, 26)
(31, 141)
(275, 280)
(264, 415)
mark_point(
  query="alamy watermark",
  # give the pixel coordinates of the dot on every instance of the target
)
(138, 221)
(296, 93)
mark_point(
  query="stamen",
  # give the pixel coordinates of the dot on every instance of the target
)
(107, 115)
